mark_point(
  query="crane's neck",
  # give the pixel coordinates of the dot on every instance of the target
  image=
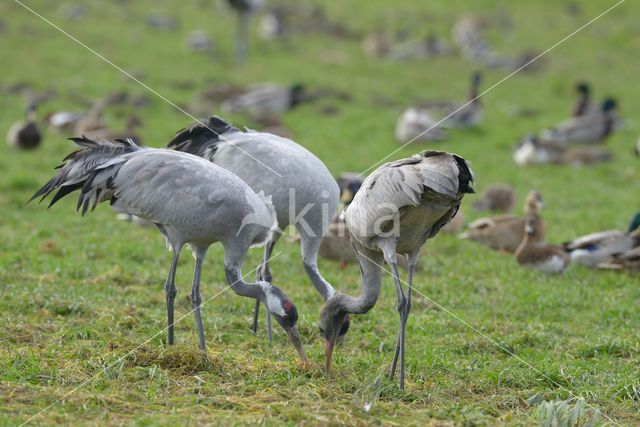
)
(242, 288)
(323, 287)
(371, 264)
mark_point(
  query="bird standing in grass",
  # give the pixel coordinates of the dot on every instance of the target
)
(303, 192)
(400, 206)
(25, 134)
(244, 9)
(191, 201)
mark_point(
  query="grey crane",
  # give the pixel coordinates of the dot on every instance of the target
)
(244, 8)
(191, 201)
(302, 189)
(400, 205)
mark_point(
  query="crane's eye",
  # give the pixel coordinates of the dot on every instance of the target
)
(321, 330)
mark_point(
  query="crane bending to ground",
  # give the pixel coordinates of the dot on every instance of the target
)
(303, 191)
(399, 207)
(191, 201)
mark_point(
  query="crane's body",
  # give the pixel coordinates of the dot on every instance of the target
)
(302, 190)
(191, 201)
(399, 207)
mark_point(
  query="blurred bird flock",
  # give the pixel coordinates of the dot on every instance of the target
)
(495, 336)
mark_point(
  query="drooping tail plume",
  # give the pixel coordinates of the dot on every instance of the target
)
(90, 169)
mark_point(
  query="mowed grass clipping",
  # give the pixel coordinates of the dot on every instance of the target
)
(83, 306)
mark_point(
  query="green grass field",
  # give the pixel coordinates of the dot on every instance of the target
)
(83, 307)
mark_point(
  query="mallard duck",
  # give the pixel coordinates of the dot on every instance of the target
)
(533, 151)
(586, 129)
(265, 100)
(417, 125)
(506, 232)
(533, 252)
(597, 248)
(469, 113)
(25, 134)
(496, 198)
(583, 105)
(628, 261)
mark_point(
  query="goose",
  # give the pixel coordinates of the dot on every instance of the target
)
(25, 134)
(496, 198)
(400, 206)
(265, 100)
(192, 202)
(533, 252)
(303, 192)
(596, 248)
(417, 125)
(586, 129)
(506, 232)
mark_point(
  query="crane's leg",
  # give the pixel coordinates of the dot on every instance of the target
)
(243, 36)
(412, 260)
(170, 290)
(265, 274)
(402, 303)
(196, 301)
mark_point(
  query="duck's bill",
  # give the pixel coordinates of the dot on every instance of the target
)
(328, 354)
(294, 336)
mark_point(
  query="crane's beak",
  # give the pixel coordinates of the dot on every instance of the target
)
(294, 336)
(328, 354)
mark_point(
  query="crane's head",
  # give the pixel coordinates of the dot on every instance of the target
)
(285, 312)
(334, 324)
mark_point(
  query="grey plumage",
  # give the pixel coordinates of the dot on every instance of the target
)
(190, 200)
(399, 207)
(303, 192)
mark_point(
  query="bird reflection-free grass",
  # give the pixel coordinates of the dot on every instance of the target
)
(82, 301)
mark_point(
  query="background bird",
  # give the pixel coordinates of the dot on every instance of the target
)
(400, 205)
(191, 201)
(245, 9)
(303, 192)
(595, 248)
(535, 253)
(506, 232)
(496, 198)
(25, 134)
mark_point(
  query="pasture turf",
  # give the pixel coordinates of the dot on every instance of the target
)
(82, 306)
